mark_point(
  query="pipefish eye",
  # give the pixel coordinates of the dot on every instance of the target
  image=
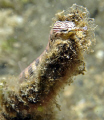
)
(64, 31)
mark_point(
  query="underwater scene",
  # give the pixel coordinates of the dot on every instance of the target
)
(51, 60)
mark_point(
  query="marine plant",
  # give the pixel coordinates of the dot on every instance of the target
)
(33, 94)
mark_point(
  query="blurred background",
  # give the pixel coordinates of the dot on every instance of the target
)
(24, 33)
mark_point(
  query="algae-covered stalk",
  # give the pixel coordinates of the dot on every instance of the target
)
(71, 35)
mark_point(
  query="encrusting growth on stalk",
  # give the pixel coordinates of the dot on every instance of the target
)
(71, 35)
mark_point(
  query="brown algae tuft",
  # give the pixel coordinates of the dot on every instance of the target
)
(71, 35)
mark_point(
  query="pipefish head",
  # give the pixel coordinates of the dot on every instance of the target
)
(66, 29)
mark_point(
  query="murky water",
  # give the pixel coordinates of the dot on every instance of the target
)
(24, 33)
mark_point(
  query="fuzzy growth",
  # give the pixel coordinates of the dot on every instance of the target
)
(71, 35)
